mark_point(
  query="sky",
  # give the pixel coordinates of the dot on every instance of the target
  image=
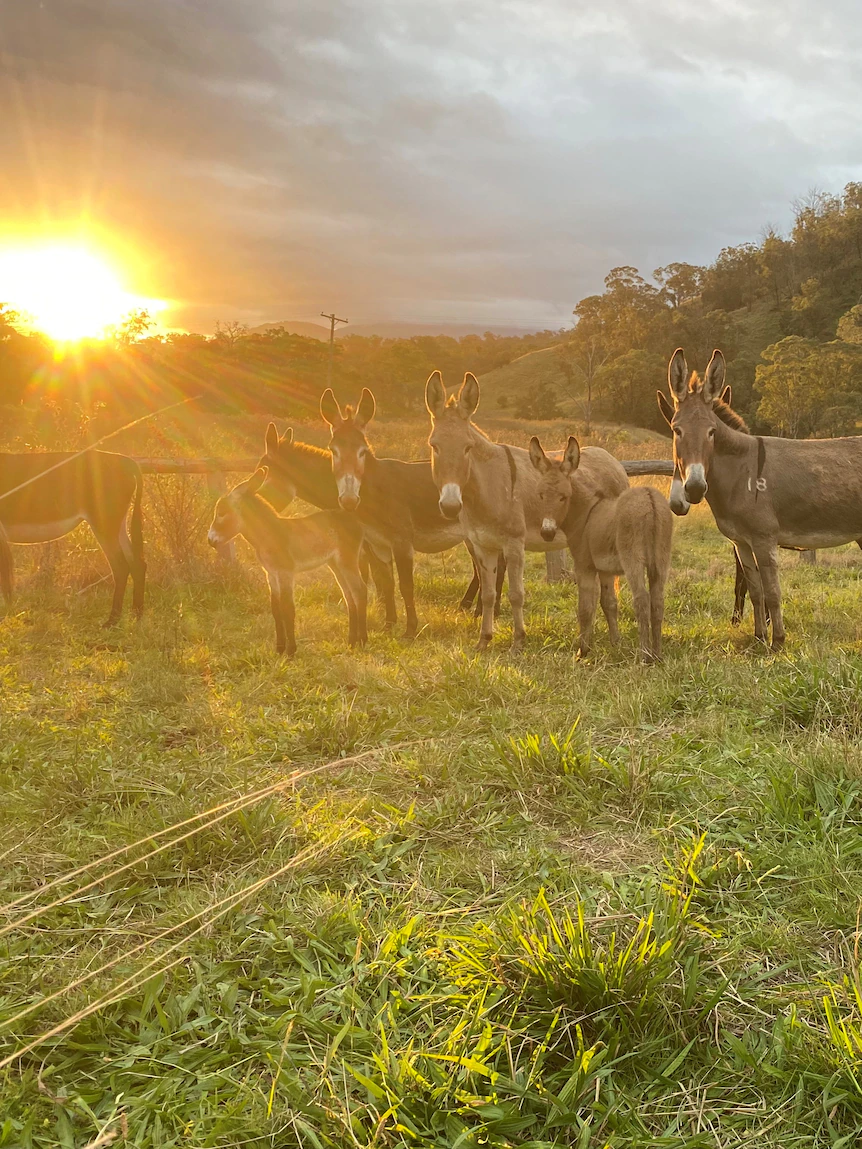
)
(461, 161)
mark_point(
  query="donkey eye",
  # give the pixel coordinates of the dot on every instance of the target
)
(677, 431)
(711, 433)
(435, 450)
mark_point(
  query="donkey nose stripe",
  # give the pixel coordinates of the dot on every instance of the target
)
(549, 525)
(450, 493)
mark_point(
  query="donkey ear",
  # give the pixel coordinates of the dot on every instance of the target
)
(365, 410)
(726, 396)
(677, 375)
(287, 438)
(537, 456)
(329, 408)
(435, 394)
(713, 380)
(271, 439)
(468, 396)
(665, 406)
(256, 481)
(571, 456)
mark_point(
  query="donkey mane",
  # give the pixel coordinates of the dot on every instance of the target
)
(727, 414)
(308, 449)
(730, 417)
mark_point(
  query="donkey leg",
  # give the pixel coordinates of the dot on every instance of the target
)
(657, 584)
(288, 612)
(636, 577)
(275, 606)
(472, 591)
(404, 565)
(514, 558)
(501, 575)
(739, 590)
(487, 564)
(134, 556)
(360, 598)
(755, 590)
(608, 598)
(384, 580)
(120, 570)
(767, 565)
(588, 583)
(347, 589)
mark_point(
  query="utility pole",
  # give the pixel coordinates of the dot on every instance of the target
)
(333, 319)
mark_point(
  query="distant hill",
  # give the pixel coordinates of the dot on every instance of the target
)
(390, 330)
(408, 330)
(293, 327)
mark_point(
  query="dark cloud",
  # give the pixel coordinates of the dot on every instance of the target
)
(419, 159)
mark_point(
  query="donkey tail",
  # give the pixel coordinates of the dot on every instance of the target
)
(7, 568)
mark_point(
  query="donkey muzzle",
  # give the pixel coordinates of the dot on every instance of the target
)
(214, 538)
(348, 492)
(695, 486)
(548, 530)
(450, 500)
(679, 504)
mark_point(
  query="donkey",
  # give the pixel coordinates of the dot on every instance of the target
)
(493, 489)
(98, 488)
(628, 533)
(287, 546)
(764, 492)
(397, 502)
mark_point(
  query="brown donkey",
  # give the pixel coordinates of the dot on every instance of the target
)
(286, 547)
(629, 533)
(97, 488)
(764, 492)
(491, 489)
(396, 501)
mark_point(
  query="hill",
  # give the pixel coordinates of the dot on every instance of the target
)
(525, 375)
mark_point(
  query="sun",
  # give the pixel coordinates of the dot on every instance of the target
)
(66, 291)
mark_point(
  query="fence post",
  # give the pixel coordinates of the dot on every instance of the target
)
(555, 566)
(216, 486)
(809, 557)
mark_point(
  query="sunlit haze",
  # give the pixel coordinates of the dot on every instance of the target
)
(66, 291)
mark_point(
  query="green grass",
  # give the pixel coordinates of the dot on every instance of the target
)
(567, 903)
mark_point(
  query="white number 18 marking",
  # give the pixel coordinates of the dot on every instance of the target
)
(760, 484)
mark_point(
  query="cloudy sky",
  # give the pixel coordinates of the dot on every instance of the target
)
(477, 161)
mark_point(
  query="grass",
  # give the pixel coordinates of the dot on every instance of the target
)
(584, 904)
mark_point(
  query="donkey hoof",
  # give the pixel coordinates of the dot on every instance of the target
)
(483, 643)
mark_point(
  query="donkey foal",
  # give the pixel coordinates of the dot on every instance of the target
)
(630, 534)
(286, 546)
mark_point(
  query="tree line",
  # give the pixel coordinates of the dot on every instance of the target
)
(787, 313)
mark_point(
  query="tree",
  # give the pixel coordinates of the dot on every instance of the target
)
(810, 388)
(850, 325)
(133, 328)
(228, 334)
(539, 404)
(680, 282)
(628, 385)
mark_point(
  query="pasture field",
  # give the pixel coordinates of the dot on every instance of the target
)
(531, 901)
